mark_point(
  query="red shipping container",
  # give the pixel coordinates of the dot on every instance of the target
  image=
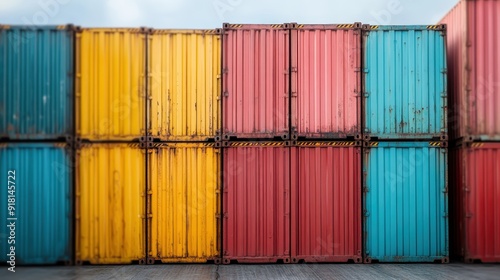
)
(326, 81)
(256, 65)
(326, 202)
(474, 202)
(474, 69)
(256, 202)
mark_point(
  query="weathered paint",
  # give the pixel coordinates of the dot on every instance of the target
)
(110, 84)
(36, 82)
(42, 179)
(184, 84)
(110, 204)
(256, 65)
(326, 202)
(405, 82)
(184, 202)
(326, 81)
(475, 192)
(405, 202)
(256, 202)
(474, 59)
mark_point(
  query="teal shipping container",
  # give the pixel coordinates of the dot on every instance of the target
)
(36, 82)
(405, 82)
(405, 202)
(36, 182)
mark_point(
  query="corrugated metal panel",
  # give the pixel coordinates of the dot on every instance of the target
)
(456, 29)
(36, 82)
(474, 29)
(326, 202)
(326, 86)
(184, 84)
(256, 62)
(406, 202)
(476, 193)
(184, 202)
(483, 31)
(256, 202)
(110, 209)
(43, 203)
(110, 85)
(405, 82)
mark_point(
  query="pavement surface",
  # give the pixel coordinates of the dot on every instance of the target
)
(234, 271)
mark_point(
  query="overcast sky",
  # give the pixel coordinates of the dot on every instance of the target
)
(212, 13)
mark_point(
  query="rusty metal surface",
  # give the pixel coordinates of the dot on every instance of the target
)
(326, 202)
(326, 80)
(405, 82)
(256, 202)
(256, 62)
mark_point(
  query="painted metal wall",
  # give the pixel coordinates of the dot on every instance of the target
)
(184, 84)
(475, 193)
(405, 202)
(43, 203)
(184, 202)
(110, 84)
(256, 202)
(256, 63)
(326, 81)
(110, 204)
(326, 202)
(405, 82)
(473, 28)
(36, 82)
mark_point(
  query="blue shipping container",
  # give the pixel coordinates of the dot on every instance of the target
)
(43, 203)
(405, 82)
(36, 82)
(405, 202)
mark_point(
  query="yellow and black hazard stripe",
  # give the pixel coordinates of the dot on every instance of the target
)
(60, 145)
(476, 145)
(345, 26)
(372, 144)
(325, 143)
(435, 144)
(299, 26)
(235, 25)
(257, 144)
(434, 27)
(211, 31)
(4, 26)
(373, 27)
(211, 144)
(134, 145)
(276, 25)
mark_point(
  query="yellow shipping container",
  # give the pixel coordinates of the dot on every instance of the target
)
(184, 203)
(110, 83)
(110, 204)
(184, 84)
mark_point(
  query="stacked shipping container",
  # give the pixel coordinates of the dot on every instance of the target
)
(36, 119)
(110, 160)
(260, 63)
(183, 169)
(473, 58)
(138, 90)
(256, 169)
(405, 175)
(148, 128)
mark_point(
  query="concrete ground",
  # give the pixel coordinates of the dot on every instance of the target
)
(233, 271)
